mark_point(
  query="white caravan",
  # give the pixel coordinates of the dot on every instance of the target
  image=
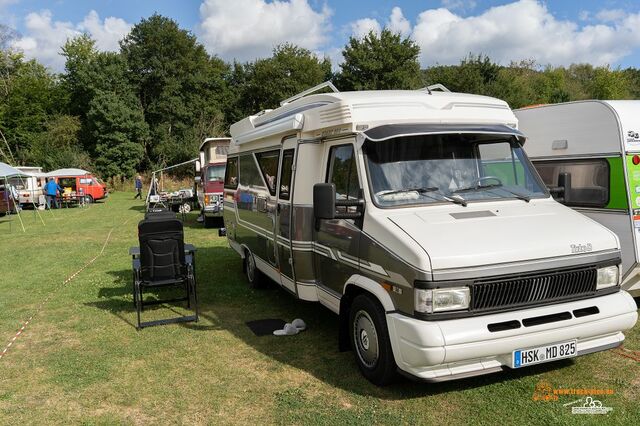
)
(593, 148)
(30, 190)
(418, 219)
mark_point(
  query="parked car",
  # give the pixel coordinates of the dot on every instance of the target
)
(417, 217)
(78, 183)
(210, 167)
(590, 151)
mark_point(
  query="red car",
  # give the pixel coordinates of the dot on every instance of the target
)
(78, 184)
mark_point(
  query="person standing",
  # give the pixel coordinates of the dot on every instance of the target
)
(51, 189)
(138, 184)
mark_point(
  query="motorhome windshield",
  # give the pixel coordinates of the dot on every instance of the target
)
(449, 168)
(215, 173)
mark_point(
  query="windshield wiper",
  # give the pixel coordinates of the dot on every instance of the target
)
(418, 190)
(425, 191)
(518, 195)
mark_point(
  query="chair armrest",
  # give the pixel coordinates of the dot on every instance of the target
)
(189, 248)
(188, 259)
(135, 263)
(134, 251)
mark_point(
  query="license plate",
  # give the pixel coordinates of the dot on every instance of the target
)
(524, 357)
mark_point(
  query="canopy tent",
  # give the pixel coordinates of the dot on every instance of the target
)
(68, 172)
(8, 172)
(156, 186)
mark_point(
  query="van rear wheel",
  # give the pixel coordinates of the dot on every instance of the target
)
(88, 199)
(251, 271)
(370, 340)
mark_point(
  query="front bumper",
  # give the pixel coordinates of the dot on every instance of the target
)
(452, 349)
(213, 210)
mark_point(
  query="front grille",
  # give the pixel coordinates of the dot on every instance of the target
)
(532, 289)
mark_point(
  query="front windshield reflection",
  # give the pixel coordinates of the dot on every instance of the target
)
(449, 167)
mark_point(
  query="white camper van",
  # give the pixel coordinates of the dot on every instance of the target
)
(593, 148)
(30, 190)
(418, 219)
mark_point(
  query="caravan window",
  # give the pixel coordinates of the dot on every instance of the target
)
(249, 173)
(589, 179)
(231, 173)
(285, 174)
(268, 162)
(342, 171)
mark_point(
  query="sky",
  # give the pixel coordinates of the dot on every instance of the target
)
(605, 32)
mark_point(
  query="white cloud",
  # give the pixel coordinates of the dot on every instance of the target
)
(522, 30)
(398, 23)
(364, 26)
(610, 15)
(250, 29)
(44, 37)
(461, 5)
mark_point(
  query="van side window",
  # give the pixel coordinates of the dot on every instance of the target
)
(589, 180)
(268, 162)
(343, 173)
(249, 173)
(231, 173)
(285, 175)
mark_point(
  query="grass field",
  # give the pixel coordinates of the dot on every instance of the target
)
(81, 360)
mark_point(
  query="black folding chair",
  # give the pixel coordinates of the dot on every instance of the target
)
(163, 260)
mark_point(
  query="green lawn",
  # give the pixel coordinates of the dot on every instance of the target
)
(81, 360)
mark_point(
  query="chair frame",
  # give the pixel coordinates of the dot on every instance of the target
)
(188, 281)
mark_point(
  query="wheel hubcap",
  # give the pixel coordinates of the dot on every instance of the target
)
(250, 267)
(366, 339)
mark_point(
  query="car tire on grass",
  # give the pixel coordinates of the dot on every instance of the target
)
(88, 199)
(370, 340)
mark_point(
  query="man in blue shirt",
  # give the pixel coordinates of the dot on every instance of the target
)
(51, 189)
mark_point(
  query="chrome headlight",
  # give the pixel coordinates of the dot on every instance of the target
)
(428, 301)
(607, 277)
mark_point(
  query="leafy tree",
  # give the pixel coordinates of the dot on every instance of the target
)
(57, 146)
(118, 127)
(475, 74)
(79, 52)
(266, 82)
(177, 83)
(378, 62)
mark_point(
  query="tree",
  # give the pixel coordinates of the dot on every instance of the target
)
(475, 74)
(118, 127)
(379, 62)
(80, 52)
(177, 83)
(266, 82)
(57, 146)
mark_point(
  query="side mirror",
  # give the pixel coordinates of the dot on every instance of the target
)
(562, 192)
(198, 166)
(564, 182)
(324, 200)
(325, 203)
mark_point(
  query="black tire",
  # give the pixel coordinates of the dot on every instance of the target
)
(254, 276)
(88, 199)
(370, 340)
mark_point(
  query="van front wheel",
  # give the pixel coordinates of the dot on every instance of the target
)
(370, 340)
